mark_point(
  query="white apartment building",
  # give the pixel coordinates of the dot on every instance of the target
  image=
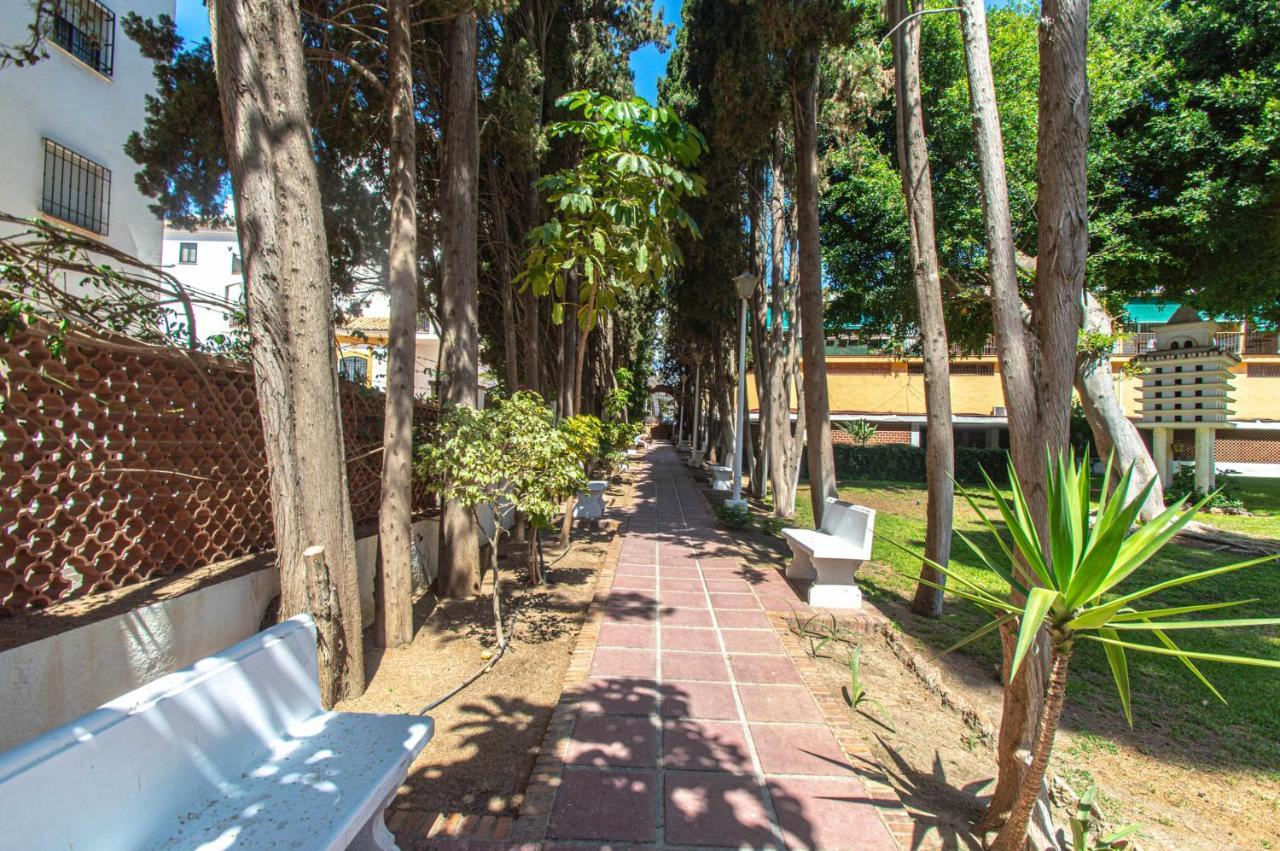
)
(65, 119)
(206, 262)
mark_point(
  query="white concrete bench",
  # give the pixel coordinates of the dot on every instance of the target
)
(721, 477)
(695, 458)
(831, 555)
(233, 752)
(590, 503)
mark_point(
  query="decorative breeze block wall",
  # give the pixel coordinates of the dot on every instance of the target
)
(119, 464)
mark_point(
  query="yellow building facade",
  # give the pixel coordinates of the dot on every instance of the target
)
(888, 391)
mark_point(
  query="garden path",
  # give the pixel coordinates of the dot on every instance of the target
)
(691, 724)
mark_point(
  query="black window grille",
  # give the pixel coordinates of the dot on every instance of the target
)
(237, 268)
(355, 369)
(187, 252)
(76, 189)
(87, 30)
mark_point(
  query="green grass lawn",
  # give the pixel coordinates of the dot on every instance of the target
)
(1261, 497)
(1167, 699)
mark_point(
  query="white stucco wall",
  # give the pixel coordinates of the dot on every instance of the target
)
(62, 99)
(49, 682)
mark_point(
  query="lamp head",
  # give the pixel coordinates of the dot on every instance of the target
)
(745, 284)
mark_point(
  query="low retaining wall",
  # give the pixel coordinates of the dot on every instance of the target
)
(49, 682)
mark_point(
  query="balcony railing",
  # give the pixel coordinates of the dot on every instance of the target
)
(87, 30)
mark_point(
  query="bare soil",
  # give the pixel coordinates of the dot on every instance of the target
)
(487, 736)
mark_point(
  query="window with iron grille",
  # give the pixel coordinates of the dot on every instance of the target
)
(187, 252)
(237, 267)
(87, 30)
(76, 189)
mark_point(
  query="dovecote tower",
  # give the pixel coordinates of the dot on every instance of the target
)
(1187, 384)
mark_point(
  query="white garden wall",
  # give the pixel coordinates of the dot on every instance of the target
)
(49, 682)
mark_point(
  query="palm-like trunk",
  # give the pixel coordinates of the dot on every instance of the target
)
(262, 83)
(822, 465)
(1037, 355)
(395, 517)
(460, 550)
(1013, 835)
(913, 161)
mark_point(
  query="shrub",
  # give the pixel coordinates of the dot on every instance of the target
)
(733, 516)
(1222, 500)
(898, 463)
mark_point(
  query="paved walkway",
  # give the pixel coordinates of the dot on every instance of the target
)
(693, 726)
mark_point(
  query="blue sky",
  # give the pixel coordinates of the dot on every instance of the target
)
(647, 65)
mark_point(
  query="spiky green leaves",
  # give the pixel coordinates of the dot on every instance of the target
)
(1090, 551)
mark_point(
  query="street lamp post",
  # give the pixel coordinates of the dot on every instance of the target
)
(745, 284)
(680, 427)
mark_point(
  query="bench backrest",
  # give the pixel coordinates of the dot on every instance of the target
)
(138, 764)
(847, 521)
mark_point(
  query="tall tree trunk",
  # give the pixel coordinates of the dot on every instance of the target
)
(822, 465)
(459, 574)
(782, 445)
(1114, 434)
(395, 517)
(1037, 355)
(257, 47)
(917, 188)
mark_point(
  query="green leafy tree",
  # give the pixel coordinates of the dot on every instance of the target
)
(615, 213)
(509, 457)
(1079, 570)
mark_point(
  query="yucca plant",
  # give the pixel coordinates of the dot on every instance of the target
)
(1074, 595)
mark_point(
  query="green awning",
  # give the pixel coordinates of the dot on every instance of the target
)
(1149, 312)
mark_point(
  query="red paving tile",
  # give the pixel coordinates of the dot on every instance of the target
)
(764, 669)
(678, 638)
(779, 703)
(694, 666)
(785, 749)
(633, 635)
(617, 662)
(586, 795)
(740, 619)
(684, 599)
(713, 701)
(728, 715)
(687, 617)
(613, 740)
(828, 813)
(706, 746)
(723, 602)
(619, 696)
(704, 808)
(751, 641)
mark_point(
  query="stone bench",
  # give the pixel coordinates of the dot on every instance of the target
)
(721, 477)
(233, 752)
(831, 555)
(590, 503)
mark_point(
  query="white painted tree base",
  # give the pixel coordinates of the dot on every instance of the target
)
(835, 596)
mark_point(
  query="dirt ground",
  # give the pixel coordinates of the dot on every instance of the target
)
(487, 736)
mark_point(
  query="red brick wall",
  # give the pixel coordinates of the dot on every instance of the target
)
(1243, 446)
(885, 433)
